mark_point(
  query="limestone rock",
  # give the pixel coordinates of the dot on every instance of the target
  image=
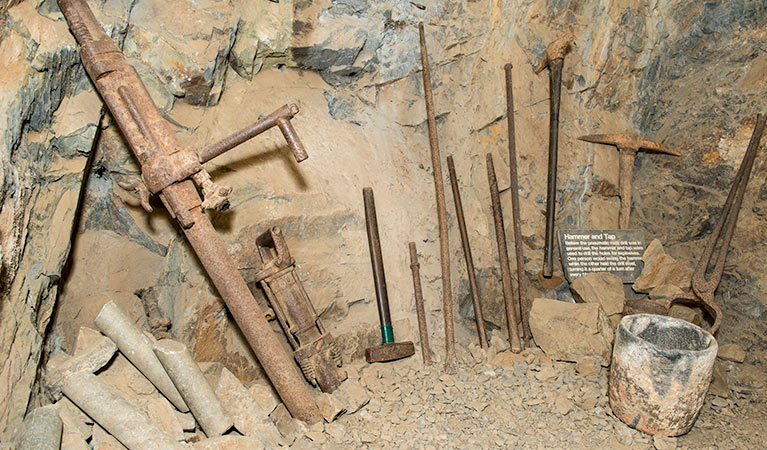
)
(719, 385)
(330, 406)
(229, 443)
(507, 358)
(161, 412)
(692, 314)
(604, 289)
(353, 395)
(238, 403)
(282, 419)
(571, 331)
(267, 433)
(563, 405)
(660, 269)
(731, 352)
(265, 397)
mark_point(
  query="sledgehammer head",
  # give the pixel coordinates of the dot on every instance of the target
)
(389, 352)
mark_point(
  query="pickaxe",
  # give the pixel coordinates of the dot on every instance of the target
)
(628, 145)
(553, 59)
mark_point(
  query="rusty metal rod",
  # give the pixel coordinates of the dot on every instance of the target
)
(439, 188)
(503, 256)
(522, 299)
(473, 289)
(110, 72)
(419, 308)
(555, 87)
(280, 118)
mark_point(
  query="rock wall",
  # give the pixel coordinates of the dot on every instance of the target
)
(353, 68)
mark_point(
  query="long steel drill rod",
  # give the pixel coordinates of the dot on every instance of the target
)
(115, 79)
(473, 289)
(555, 86)
(419, 309)
(503, 256)
(439, 188)
(522, 299)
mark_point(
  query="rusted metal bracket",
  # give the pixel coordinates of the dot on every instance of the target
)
(315, 349)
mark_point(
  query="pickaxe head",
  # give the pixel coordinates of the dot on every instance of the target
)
(556, 49)
(629, 142)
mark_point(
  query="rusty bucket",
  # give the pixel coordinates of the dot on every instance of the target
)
(660, 372)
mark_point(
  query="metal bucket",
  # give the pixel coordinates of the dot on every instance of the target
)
(660, 372)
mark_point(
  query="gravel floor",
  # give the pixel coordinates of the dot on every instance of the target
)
(521, 401)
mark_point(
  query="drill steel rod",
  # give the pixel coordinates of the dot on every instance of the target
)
(473, 289)
(555, 85)
(444, 246)
(522, 299)
(419, 309)
(142, 125)
(503, 256)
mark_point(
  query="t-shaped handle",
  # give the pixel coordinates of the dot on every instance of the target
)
(279, 118)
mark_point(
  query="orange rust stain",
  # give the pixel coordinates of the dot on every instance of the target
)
(712, 158)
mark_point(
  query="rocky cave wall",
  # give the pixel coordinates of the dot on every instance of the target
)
(688, 74)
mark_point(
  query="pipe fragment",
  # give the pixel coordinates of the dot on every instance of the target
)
(122, 420)
(137, 347)
(194, 388)
(41, 430)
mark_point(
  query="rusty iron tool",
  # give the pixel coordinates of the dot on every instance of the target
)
(553, 59)
(175, 174)
(628, 146)
(439, 188)
(388, 350)
(419, 309)
(503, 256)
(473, 289)
(705, 281)
(314, 348)
(522, 300)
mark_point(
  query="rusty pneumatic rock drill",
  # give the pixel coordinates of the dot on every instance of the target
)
(174, 174)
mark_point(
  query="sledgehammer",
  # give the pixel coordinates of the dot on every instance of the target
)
(388, 350)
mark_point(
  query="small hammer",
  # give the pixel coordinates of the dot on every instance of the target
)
(553, 59)
(388, 350)
(628, 145)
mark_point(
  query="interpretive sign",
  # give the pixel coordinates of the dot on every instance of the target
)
(616, 251)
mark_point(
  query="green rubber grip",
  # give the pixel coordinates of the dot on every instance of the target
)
(387, 334)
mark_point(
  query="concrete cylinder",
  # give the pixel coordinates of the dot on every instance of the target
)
(194, 388)
(122, 420)
(41, 431)
(660, 372)
(137, 347)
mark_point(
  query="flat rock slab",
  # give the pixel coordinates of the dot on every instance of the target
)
(660, 268)
(601, 288)
(731, 352)
(571, 331)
